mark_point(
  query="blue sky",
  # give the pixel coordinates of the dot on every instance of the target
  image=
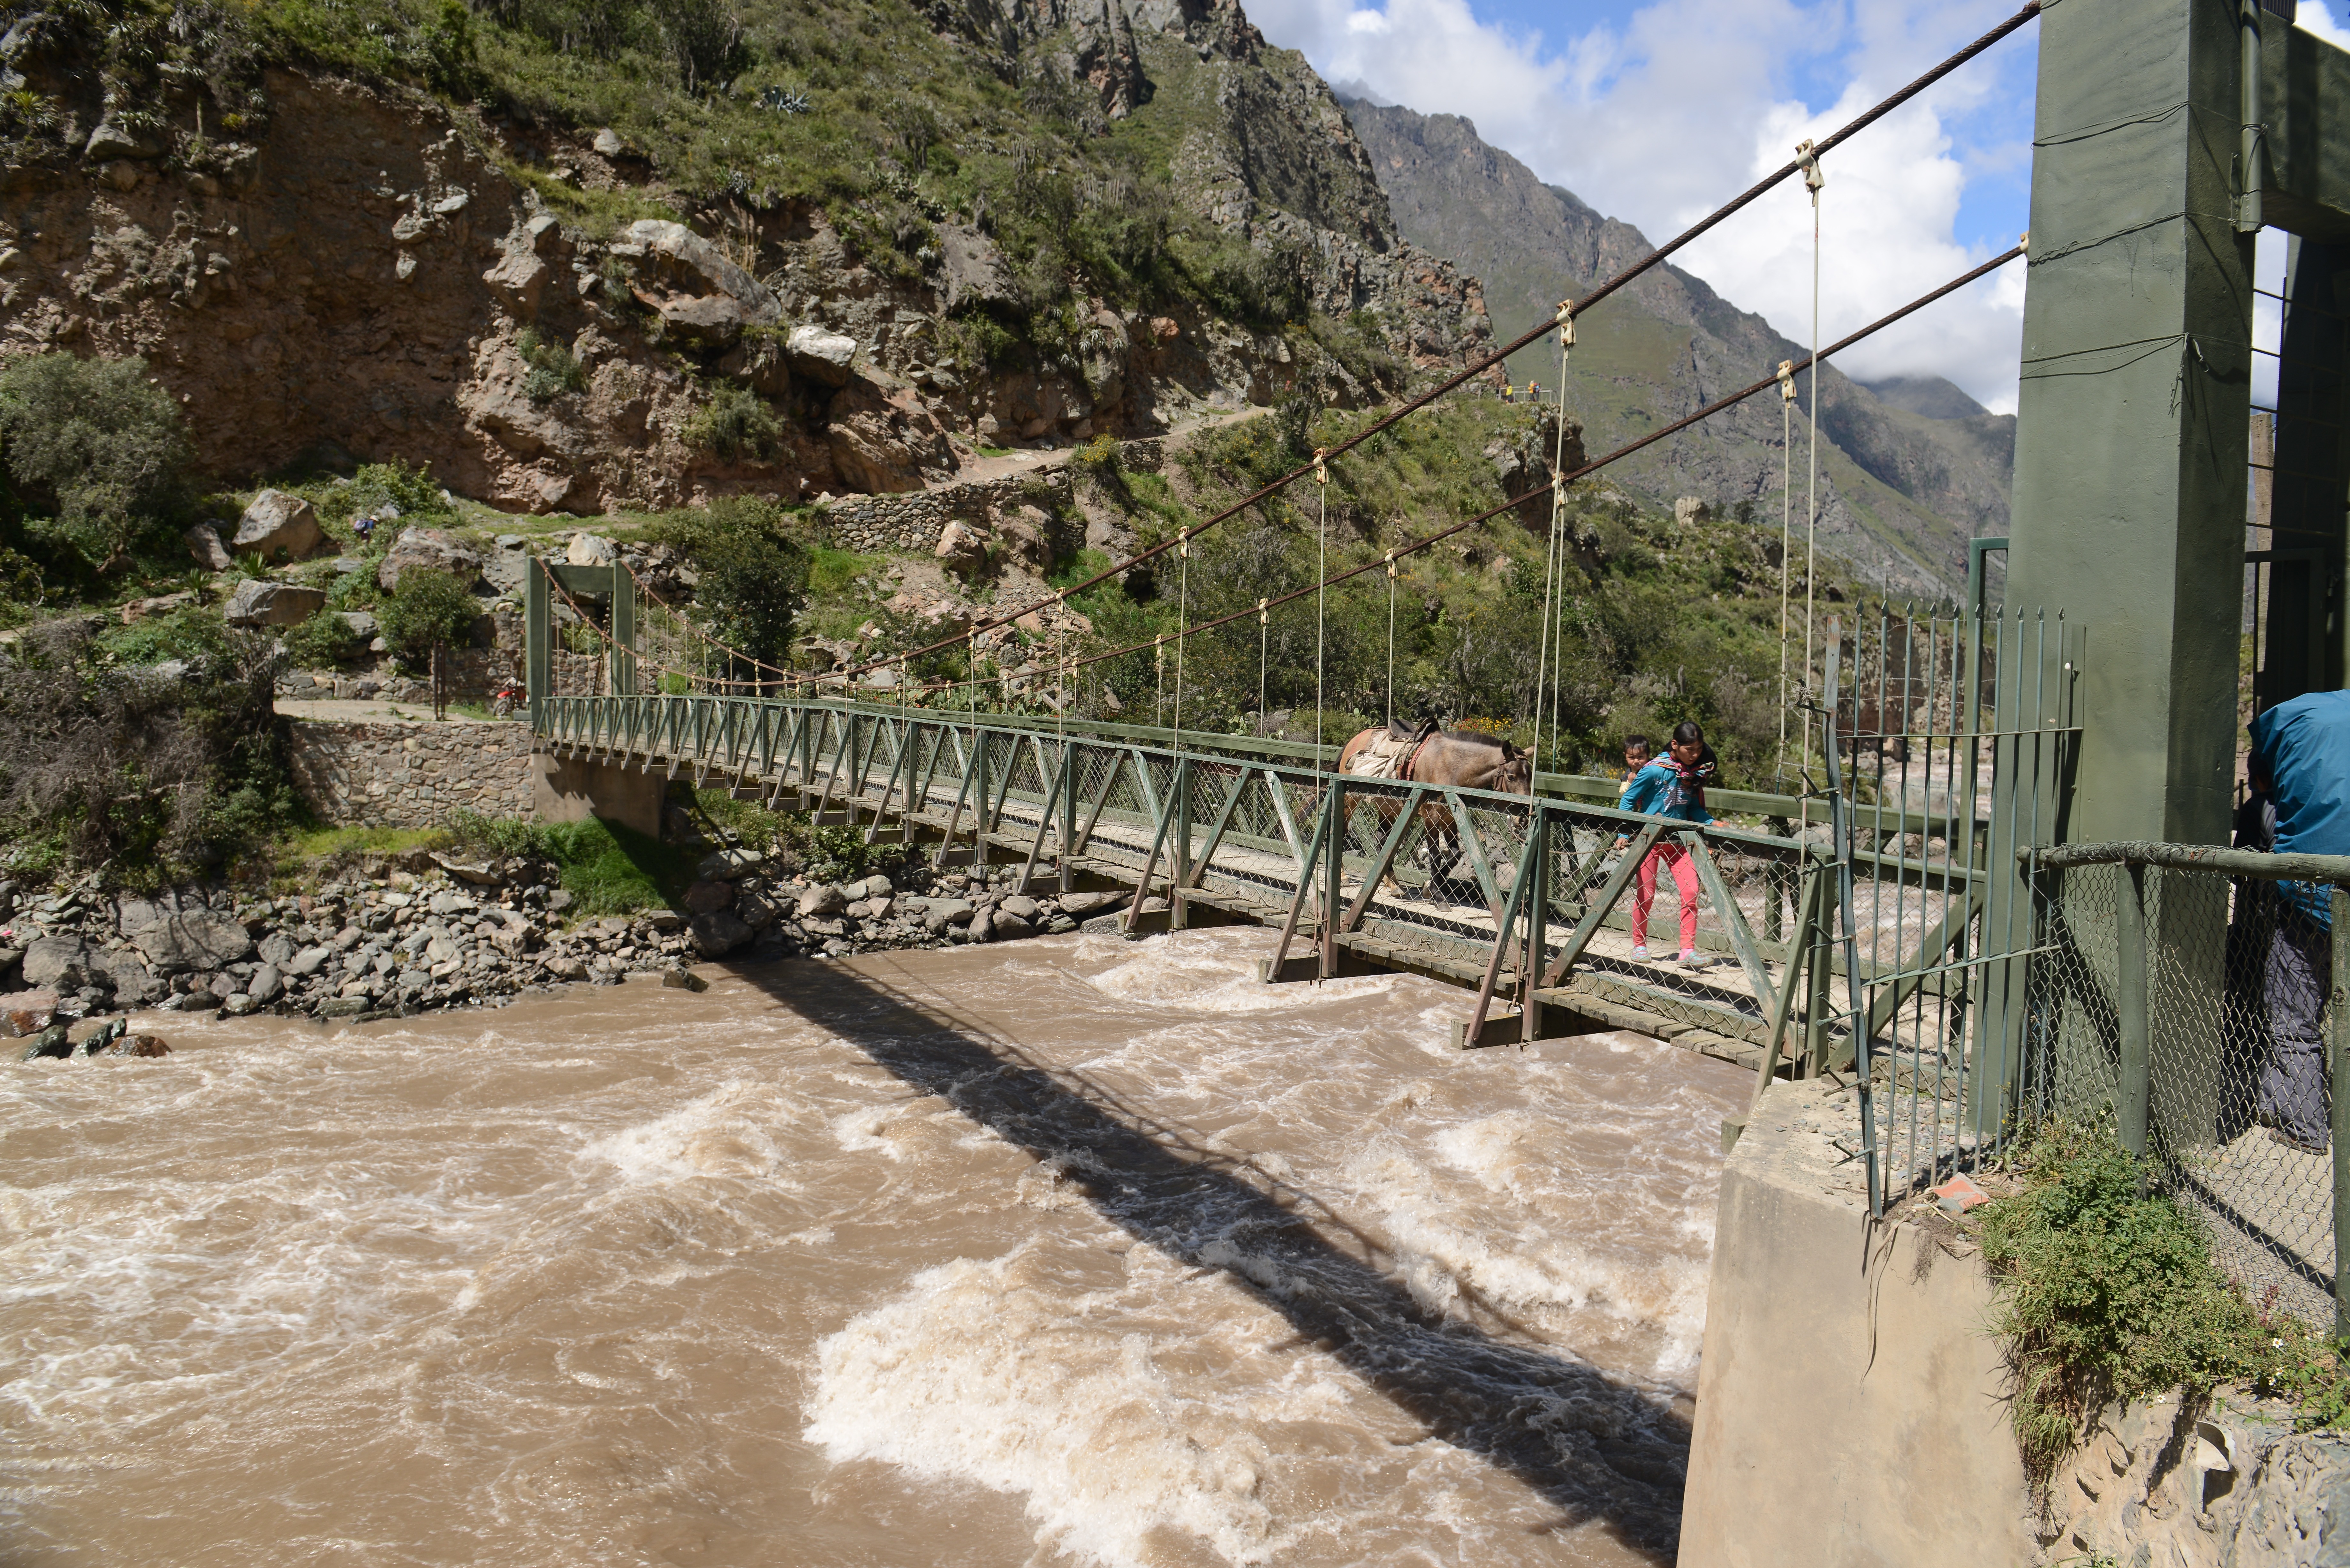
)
(1656, 110)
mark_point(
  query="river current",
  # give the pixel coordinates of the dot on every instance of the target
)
(1072, 1251)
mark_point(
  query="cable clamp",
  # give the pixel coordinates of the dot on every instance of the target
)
(2023, 242)
(1321, 472)
(1391, 571)
(1183, 544)
(1810, 159)
(1264, 616)
(1566, 319)
(1786, 380)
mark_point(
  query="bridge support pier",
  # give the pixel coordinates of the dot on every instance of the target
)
(568, 790)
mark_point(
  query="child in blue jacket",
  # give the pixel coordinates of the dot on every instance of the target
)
(1673, 785)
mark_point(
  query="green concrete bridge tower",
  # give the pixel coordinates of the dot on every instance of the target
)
(2134, 405)
(2168, 133)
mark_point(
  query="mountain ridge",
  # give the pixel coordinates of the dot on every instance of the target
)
(1906, 478)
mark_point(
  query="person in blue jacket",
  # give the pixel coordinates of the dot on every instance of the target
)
(2304, 746)
(1673, 785)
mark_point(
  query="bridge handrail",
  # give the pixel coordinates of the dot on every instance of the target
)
(2333, 868)
(1578, 786)
(1591, 798)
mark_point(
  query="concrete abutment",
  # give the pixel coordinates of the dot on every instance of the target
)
(573, 790)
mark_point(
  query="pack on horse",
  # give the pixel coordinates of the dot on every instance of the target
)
(1444, 758)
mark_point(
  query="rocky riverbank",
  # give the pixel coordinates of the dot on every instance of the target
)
(430, 931)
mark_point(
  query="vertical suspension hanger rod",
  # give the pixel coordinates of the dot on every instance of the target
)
(1813, 180)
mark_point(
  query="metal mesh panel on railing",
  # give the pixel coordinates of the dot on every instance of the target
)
(1949, 739)
(2235, 1086)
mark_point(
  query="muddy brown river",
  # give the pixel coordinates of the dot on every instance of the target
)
(1076, 1251)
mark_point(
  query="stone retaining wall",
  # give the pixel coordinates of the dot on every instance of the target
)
(872, 525)
(475, 675)
(393, 774)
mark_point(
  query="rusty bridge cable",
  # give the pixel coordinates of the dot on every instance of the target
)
(1628, 275)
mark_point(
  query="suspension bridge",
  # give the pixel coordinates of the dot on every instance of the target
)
(1989, 895)
(1898, 914)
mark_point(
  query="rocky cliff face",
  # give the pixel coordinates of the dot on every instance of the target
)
(359, 267)
(1905, 480)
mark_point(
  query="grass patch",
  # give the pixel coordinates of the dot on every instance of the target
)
(302, 855)
(2107, 1290)
(608, 869)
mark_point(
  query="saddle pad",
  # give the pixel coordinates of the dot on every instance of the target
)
(1381, 758)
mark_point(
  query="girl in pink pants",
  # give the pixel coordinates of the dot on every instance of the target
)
(1672, 786)
(1685, 878)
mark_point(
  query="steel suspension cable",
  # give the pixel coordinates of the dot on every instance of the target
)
(1391, 592)
(1787, 556)
(1595, 465)
(1654, 258)
(1182, 620)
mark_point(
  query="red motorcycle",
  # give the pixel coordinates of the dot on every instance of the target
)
(507, 698)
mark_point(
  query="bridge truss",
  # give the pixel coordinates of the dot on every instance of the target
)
(1856, 912)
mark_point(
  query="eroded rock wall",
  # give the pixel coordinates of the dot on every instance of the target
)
(352, 271)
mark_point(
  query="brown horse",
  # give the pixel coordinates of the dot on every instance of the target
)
(1457, 759)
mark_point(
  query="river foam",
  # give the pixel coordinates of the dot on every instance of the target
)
(1080, 1251)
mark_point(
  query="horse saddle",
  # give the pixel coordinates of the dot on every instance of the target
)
(1389, 755)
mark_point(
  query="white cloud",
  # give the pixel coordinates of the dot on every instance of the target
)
(1659, 118)
(2318, 17)
(1686, 104)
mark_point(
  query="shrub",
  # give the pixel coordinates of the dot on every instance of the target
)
(121, 767)
(93, 442)
(2107, 1290)
(554, 368)
(384, 489)
(735, 423)
(426, 608)
(324, 640)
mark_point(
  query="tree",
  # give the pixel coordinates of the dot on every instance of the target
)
(426, 606)
(753, 575)
(96, 443)
(753, 581)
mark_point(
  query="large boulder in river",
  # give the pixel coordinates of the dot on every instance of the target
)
(278, 527)
(175, 935)
(25, 1013)
(718, 933)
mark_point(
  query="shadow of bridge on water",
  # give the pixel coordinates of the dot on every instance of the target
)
(1599, 1449)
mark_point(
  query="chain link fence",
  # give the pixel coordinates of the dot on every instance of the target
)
(2184, 992)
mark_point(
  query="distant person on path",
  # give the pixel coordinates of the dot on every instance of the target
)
(2302, 746)
(1673, 785)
